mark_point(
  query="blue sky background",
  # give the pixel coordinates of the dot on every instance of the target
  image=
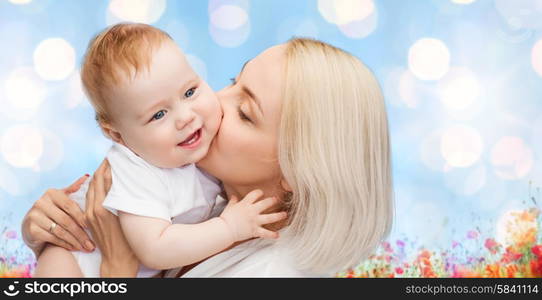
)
(465, 111)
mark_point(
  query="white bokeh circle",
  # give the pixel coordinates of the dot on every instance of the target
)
(138, 11)
(22, 145)
(229, 17)
(464, 2)
(536, 57)
(461, 146)
(511, 158)
(229, 25)
(459, 89)
(20, 1)
(52, 154)
(54, 59)
(429, 59)
(24, 89)
(341, 12)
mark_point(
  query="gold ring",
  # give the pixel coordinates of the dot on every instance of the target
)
(52, 227)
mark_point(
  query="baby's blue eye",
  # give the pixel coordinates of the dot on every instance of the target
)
(159, 115)
(189, 93)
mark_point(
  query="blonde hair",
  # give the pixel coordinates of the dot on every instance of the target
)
(334, 152)
(117, 53)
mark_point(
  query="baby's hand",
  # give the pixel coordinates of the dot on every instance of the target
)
(245, 219)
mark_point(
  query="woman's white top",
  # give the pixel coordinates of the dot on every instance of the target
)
(255, 258)
(180, 195)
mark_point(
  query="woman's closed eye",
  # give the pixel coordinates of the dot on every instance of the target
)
(159, 115)
(242, 115)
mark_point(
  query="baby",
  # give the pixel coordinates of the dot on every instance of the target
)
(162, 119)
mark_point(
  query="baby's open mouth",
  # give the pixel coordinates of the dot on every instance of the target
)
(192, 139)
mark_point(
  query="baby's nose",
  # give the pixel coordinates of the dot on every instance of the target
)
(184, 120)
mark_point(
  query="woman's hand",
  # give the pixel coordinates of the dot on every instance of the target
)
(54, 218)
(118, 259)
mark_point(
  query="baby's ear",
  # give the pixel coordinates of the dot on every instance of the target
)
(111, 132)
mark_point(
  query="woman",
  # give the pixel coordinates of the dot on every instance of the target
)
(303, 121)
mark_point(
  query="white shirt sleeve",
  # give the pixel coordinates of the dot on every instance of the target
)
(138, 187)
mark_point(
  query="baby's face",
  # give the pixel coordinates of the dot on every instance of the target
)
(168, 116)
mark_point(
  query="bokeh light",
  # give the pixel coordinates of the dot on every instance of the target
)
(341, 12)
(429, 59)
(52, 154)
(408, 89)
(466, 181)
(20, 1)
(461, 146)
(75, 95)
(463, 1)
(360, 28)
(54, 59)
(296, 26)
(140, 11)
(459, 89)
(229, 17)
(229, 24)
(511, 158)
(536, 57)
(430, 153)
(24, 90)
(9, 181)
(355, 18)
(521, 13)
(22, 145)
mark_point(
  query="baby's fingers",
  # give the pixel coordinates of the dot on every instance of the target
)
(253, 196)
(272, 218)
(265, 203)
(267, 234)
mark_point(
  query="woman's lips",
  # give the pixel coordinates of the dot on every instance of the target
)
(192, 141)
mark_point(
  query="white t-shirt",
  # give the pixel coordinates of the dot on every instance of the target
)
(184, 195)
(255, 258)
(139, 188)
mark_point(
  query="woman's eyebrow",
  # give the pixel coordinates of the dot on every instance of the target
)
(244, 65)
(249, 92)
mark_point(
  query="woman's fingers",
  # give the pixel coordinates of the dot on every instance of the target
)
(90, 200)
(99, 184)
(74, 187)
(62, 201)
(272, 218)
(66, 229)
(46, 236)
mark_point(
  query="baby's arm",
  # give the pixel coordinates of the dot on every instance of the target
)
(161, 245)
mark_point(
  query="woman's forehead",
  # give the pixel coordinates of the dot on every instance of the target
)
(264, 75)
